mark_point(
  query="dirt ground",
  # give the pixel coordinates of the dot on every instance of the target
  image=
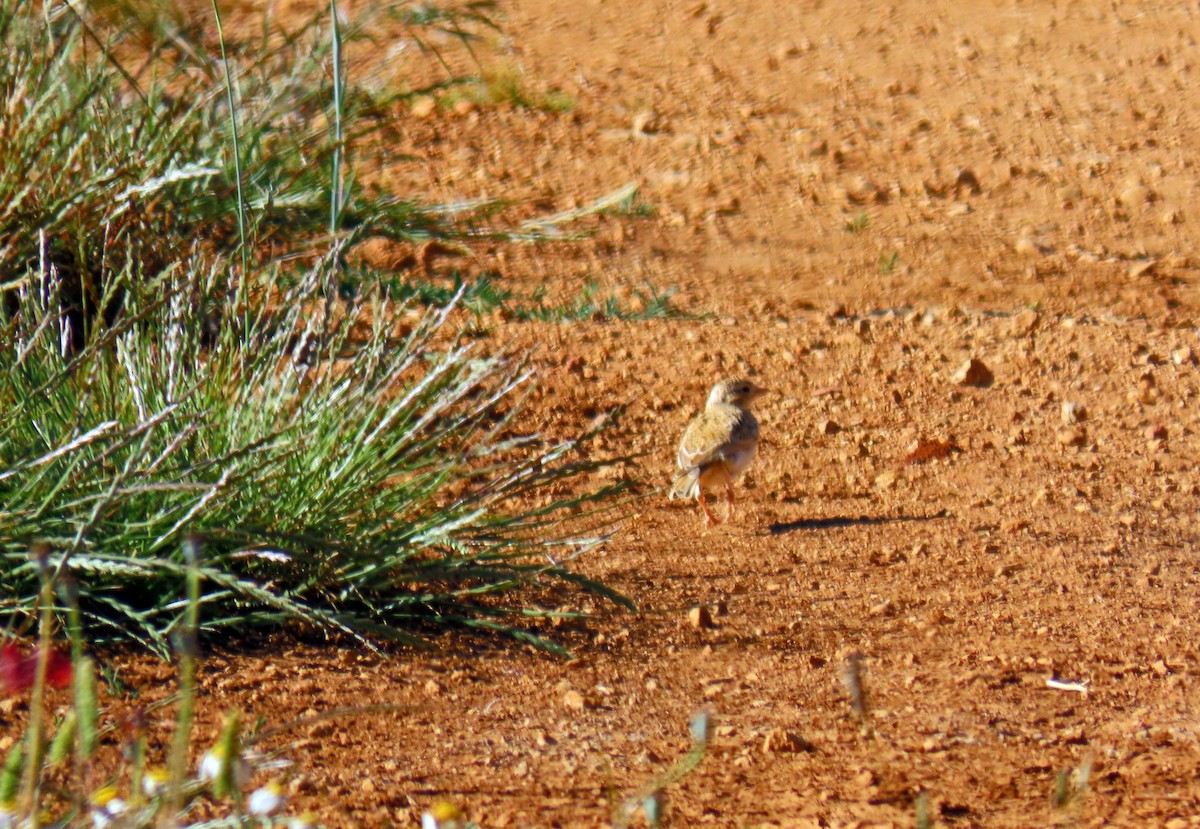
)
(860, 197)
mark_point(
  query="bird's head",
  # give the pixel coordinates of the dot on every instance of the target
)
(739, 392)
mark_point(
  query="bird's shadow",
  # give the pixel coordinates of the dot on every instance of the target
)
(779, 528)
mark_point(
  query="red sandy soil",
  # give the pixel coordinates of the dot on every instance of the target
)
(1025, 170)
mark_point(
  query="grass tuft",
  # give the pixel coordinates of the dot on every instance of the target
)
(858, 224)
(505, 84)
(175, 366)
(339, 472)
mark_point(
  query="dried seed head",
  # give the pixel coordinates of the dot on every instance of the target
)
(39, 554)
(68, 589)
(853, 681)
(701, 727)
(655, 806)
(186, 643)
(192, 547)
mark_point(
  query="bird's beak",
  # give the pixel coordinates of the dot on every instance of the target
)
(758, 391)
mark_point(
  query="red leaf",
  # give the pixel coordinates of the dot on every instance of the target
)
(18, 668)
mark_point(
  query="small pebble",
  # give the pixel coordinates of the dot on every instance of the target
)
(423, 107)
(974, 373)
(1134, 195)
(700, 618)
(574, 701)
(780, 741)
(1073, 413)
(1025, 322)
(1071, 436)
(1156, 432)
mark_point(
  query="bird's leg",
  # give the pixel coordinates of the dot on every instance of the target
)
(729, 501)
(709, 520)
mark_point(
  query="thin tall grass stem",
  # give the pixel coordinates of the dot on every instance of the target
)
(187, 646)
(35, 736)
(237, 145)
(336, 189)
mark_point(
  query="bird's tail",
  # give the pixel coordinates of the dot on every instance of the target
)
(686, 485)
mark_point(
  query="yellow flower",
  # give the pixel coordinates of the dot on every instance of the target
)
(155, 780)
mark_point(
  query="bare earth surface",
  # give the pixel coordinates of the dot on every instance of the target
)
(860, 197)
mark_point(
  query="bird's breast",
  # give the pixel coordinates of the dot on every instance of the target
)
(739, 459)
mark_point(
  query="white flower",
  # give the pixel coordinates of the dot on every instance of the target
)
(266, 800)
(106, 807)
(443, 815)
(213, 763)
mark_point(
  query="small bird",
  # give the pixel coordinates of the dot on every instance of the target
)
(718, 445)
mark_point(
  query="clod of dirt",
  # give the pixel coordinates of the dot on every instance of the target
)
(829, 427)
(974, 373)
(1024, 246)
(646, 122)
(1156, 432)
(861, 190)
(1134, 195)
(574, 701)
(1070, 194)
(780, 741)
(931, 450)
(1142, 268)
(967, 180)
(1183, 357)
(784, 51)
(423, 107)
(1145, 393)
(1071, 436)
(700, 618)
(1025, 322)
(1073, 413)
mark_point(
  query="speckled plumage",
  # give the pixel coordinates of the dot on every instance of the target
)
(718, 444)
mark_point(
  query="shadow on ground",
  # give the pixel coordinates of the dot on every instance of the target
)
(780, 528)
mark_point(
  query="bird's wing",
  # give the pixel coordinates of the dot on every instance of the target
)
(708, 439)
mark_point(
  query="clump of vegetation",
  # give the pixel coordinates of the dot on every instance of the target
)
(484, 295)
(55, 775)
(858, 224)
(1071, 786)
(175, 358)
(505, 83)
(632, 206)
(652, 303)
(49, 777)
